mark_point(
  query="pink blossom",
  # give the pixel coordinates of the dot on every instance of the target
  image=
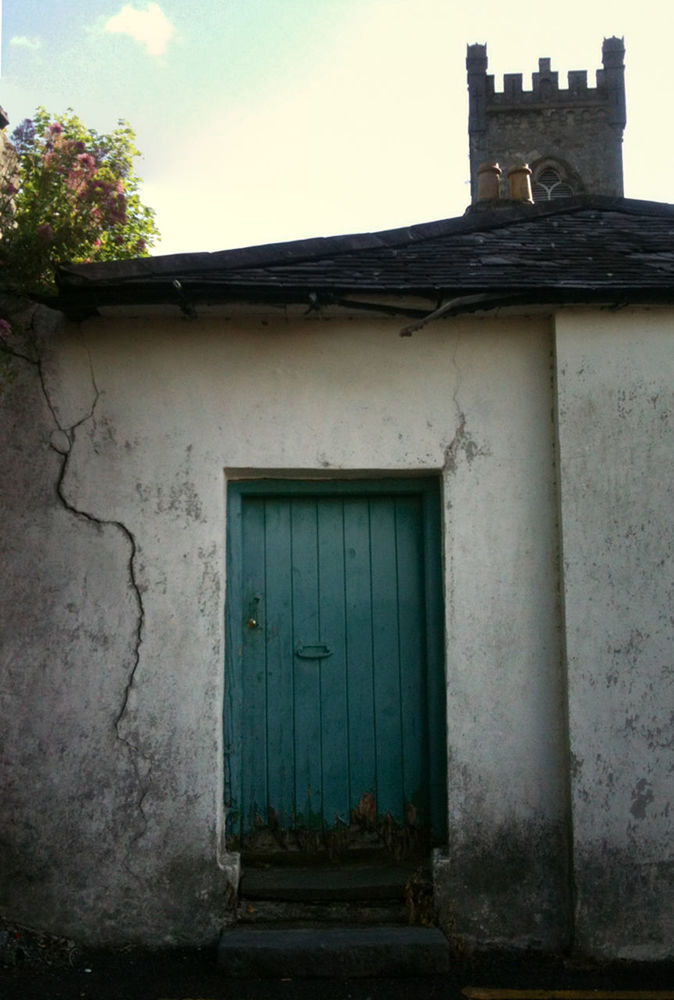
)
(86, 160)
(55, 128)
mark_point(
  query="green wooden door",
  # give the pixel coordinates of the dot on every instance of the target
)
(334, 724)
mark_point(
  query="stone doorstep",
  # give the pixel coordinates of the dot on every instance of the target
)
(326, 883)
(333, 952)
(275, 913)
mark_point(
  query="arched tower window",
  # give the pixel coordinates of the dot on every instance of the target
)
(549, 183)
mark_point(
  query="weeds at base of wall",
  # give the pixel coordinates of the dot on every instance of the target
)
(23, 946)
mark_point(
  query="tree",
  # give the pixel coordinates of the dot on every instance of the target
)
(69, 195)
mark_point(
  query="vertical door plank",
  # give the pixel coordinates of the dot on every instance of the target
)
(254, 758)
(232, 730)
(306, 630)
(385, 634)
(359, 653)
(332, 669)
(436, 683)
(412, 618)
(278, 633)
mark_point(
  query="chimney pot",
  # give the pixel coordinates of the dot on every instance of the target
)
(487, 182)
(519, 179)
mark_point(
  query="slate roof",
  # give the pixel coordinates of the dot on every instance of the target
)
(581, 249)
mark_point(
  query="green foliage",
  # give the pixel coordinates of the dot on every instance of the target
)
(70, 195)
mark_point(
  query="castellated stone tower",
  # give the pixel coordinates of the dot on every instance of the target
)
(571, 139)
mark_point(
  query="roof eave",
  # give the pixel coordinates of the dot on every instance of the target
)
(188, 297)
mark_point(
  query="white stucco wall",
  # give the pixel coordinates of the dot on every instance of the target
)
(615, 374)
(156, 412)
(506, 874)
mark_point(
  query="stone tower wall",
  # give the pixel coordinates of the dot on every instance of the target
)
(579, 127)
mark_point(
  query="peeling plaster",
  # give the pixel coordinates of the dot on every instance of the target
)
(508, 873)
(614, 391)
(505, 885)
(611, 882)
(642, 796)
(462, 442)
(181, 499)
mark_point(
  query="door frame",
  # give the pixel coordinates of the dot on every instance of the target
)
(430, 490)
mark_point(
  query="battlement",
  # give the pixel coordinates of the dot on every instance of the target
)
(609, 91)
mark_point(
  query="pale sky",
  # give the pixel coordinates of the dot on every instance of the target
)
(269, 120)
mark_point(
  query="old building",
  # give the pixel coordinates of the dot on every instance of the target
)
(570, 137)
(366, 536)
(355, 547)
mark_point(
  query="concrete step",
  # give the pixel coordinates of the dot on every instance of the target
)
(326, 883)
(284, 913)
(332, 952)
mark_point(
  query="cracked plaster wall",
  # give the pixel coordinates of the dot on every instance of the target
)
(66, 652)
(115, 540)
(616, 408)
(78, 775)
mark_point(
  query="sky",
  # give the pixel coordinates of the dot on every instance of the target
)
(268, 120)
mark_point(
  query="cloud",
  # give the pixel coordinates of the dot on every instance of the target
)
(149, 27)
(23, 42)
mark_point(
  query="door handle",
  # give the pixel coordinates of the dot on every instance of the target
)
(313, 651)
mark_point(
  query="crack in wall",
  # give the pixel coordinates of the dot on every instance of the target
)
(63, 445)
(462, 440)
(452, 449)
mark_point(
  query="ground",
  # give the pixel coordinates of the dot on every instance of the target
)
(70, 974)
